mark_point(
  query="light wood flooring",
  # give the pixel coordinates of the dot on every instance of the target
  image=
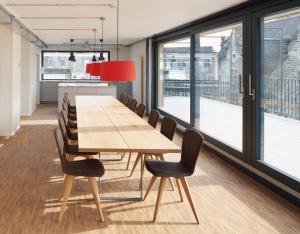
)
(227, 201)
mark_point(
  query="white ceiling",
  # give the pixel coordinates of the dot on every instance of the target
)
(138, 18)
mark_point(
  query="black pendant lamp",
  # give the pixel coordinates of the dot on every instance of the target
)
(94, 56)
(72, 56)
(101, 58)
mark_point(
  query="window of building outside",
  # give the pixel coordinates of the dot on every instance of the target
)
(174, 78)
(56, 65)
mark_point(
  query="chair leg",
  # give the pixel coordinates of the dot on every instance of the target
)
(189, 197)
(150, 185)
(179, 189)
(66, 195)
(161, 157)
(128, 162)
(160, 192)
(94, 187)
(138, 157)
(66, 178)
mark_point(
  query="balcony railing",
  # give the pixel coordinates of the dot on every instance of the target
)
(280, 97)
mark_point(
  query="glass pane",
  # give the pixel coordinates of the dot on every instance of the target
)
(280, 92)
(58, 67)
(218, 84)
(174, 78)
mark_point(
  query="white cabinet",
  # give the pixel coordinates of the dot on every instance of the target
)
(84, 89)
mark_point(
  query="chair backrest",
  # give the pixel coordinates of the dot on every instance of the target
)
(132, 104)
(66, 121)
(67, 98)
(126, 100)
(121, 97)
(191, 145)
(140, 110)
(168, 127)
(153, 118)
(65, 106)
(60, 147)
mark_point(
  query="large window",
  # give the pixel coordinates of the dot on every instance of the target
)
(218, 84)
(174, 78)
(280, 92)
(236, 79)
(56, 65)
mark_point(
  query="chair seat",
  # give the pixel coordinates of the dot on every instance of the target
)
(87, 168)
(72, 124)
(72, 116)
(166, 169)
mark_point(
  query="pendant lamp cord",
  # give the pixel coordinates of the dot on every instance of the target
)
(102, 36)
(94, 41)
(117, 30)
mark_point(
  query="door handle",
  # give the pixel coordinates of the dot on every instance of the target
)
(241, 87)
(251, 90)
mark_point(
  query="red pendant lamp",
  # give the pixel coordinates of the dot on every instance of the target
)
(88, 68)
(117, 71)
(95, 69)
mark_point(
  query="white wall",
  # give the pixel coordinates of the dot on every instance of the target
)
(29, 79)
(10, 83)
(137, 53)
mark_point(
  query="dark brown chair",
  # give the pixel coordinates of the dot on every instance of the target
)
(191, 145)
(168, 127)
(140, 110)
(132, 104)
(71, 131)
(71, 116)
(126, 100)
(90, 168)
(71, 109)
(71, 146)
(153, 118)
(121, 97)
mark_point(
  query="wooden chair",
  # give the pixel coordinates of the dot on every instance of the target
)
(71, 131)
(140, 110)
(168, 127)
(126, 100)
(71, 146)
(191, 145)
(132, 104)
(153, 118)
(121, 97)
(71, 109)
(89, 168)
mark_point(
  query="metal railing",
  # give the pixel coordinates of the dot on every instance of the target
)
(280, 96)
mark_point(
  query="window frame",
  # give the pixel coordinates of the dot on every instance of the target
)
(68, 51)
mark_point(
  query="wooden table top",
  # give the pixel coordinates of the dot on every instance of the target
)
(106, 125)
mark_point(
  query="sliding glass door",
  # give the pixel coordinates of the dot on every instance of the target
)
(219, 91)
(278, 87)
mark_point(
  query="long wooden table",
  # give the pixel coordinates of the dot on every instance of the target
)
(106, 125)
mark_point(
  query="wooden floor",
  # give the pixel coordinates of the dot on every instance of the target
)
(227, 201)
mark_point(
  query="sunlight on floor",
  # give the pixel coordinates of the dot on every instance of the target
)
(39, 122)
